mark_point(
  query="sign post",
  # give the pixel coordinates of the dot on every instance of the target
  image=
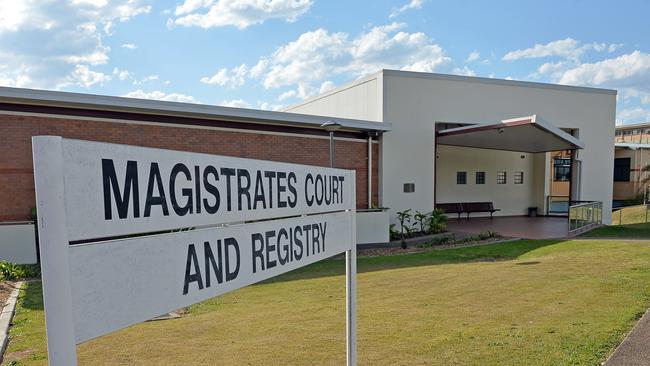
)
(175, 228)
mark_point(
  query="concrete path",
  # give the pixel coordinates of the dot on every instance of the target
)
(635, 348)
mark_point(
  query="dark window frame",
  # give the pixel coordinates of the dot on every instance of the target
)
(518, 177)
(461, 177)
(479, 178)
(622, 169)
(561, 169)
(502, 177)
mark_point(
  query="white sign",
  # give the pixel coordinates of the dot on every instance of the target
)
(129, 233)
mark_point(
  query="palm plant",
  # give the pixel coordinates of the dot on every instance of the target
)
(404, 218)
(437, 221)
(421, 219)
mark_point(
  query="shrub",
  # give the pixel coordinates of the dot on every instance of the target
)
(394, 234)
(437, 221)
(11, 271)
(438, 241)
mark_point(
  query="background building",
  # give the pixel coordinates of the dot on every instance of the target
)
(632, 155)
(422, 105)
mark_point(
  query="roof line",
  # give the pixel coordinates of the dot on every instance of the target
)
(512, 122)
(477, 79)
(633, 125)
(157, 107)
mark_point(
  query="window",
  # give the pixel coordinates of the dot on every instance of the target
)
(501, 177)
(622, 169)
(480, 177)
(409, 187)
(562, 169)
(519, 177)
(461, 177)
(618, 133)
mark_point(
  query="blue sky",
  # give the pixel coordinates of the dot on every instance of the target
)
(269, 54)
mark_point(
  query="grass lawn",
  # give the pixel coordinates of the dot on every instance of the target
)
(629, 215)
(524, 302)
(633, 231)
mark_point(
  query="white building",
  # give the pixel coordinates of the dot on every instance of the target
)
(503, 157)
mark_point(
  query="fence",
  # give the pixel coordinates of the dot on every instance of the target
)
(629, 215)
(584, 216)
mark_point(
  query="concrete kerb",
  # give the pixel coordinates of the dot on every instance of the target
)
(633, 350)
(6, 316)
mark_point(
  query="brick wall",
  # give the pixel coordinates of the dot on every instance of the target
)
(16, 172)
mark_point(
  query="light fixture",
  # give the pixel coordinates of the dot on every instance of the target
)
(331, 126)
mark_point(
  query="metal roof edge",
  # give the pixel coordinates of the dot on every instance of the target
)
(485, 80)
(158, 107)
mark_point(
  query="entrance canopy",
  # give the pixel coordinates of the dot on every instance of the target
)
(525, 134)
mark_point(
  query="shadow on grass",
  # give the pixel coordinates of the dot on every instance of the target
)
(491, 252)
(31, 296)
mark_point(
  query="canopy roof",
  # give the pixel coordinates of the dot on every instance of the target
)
(525, 134)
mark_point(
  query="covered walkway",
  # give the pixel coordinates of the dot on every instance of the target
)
(513, 226)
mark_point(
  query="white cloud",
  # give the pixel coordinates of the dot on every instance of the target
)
(129, 46)
(564, 48)
(568, 48)
(317, 55)
(633, 115)
(614, 46)
(159, 95)
(240, 13)
(83, 76)
(629, 70)
(269, 107)
(43, 43)
(465, 71)
(288, 94)
(326, 86)
(413, 4)
(122, 74)
(236, 103)
(473, 56)
(146, 79)
(233, 78)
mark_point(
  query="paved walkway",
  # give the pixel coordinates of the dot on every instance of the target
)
(635, 348)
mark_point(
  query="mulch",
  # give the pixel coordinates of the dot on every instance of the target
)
(415, 249)
(6, 287)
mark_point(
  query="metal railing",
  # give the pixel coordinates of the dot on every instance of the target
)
(584, 216)
(559, 205)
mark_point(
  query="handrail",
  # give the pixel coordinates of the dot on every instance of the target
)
(585, 216)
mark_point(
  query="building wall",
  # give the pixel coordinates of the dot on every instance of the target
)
(637, 135)
(16, 172)
(414, 103)
(638, 160)
(510, 198)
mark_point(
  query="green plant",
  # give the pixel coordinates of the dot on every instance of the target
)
(11, 271)
(421, 219)
(442, 240)
(404, 218)
(394, 234)
(437, 221)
